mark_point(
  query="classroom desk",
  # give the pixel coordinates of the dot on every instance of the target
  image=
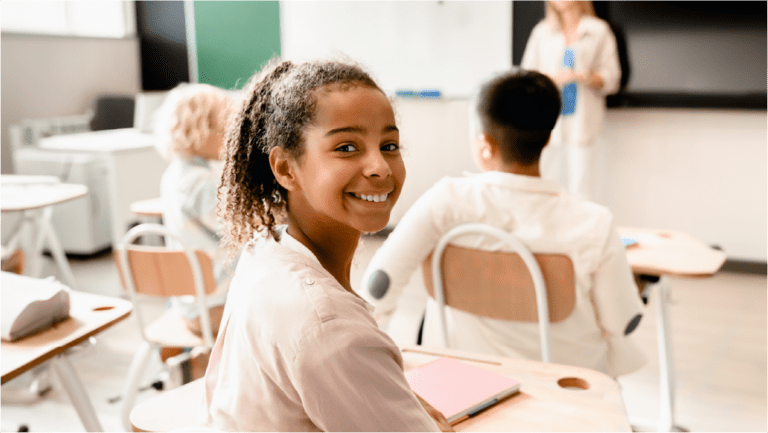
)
(661, 253)
(34, 197)
(150, 208)
(544, 403)
(89, 315)
(134, 167)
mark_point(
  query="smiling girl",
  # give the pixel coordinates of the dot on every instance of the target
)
(313, 160)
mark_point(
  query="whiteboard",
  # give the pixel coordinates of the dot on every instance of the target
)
(451, 46)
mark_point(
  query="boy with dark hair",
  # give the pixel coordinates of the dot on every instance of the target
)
(513, 116)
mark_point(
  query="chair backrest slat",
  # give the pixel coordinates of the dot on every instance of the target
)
(498, 285)
(160, 272)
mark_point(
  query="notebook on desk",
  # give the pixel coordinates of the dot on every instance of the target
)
(458, 389)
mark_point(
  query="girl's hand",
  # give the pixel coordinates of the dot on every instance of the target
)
(435, 414)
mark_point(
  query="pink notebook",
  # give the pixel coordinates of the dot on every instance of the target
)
(458, 389)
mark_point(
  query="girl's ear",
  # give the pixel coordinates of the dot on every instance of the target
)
(283, 168)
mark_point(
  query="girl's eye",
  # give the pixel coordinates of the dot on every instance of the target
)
(346, 148)
(390, 147)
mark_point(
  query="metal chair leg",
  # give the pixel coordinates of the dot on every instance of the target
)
(135, 372)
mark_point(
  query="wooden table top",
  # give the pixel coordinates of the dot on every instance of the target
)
(152, 207)
(89, 315)
(551, 396)
(18, 195)
(668, 252)
(540, 405)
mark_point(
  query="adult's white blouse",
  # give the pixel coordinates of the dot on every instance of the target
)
(595, 51)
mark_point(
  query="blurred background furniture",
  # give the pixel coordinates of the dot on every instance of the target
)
(162, 272)
(34, 197)
(660, 253)
(89, 315)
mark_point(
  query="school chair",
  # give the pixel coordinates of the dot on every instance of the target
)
(514, 285)
(176, 410)
(162, 272)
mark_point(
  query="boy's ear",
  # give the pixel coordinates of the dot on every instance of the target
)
(488, 152)
(490, 148)
(283, 168)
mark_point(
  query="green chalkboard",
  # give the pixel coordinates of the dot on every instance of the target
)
(234, 39)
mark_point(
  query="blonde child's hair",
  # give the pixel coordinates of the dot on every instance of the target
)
(553, 18)
(189, 115)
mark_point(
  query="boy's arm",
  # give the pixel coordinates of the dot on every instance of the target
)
(616, 297)
(405, 249)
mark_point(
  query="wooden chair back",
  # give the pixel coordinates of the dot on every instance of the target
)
(498, 285)
(493, 284)
(158, 271)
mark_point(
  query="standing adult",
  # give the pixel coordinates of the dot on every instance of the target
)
(578, 51)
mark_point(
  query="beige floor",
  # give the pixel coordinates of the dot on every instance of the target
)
(718, 329)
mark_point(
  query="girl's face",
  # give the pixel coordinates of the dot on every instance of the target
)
(351, 171)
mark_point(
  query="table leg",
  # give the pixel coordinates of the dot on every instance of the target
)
(57, 251)
(666, 366)
(69, 379)
(33, 219)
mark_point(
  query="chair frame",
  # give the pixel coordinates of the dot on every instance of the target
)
(140, 359)
(518, 247)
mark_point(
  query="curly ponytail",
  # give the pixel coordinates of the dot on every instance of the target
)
(279, 104)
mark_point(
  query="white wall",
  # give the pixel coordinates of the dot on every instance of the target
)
(450, 45)
(47, 76)
(695, 170)
(699, 171)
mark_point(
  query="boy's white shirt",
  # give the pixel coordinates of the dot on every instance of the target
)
(596, 51)
(298, 352)
(547, 219)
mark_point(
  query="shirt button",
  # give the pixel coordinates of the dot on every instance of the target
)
(310, 281)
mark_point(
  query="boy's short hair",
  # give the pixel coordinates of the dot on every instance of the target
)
(519, 109)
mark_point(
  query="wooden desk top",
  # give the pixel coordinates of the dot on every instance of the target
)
(19, 196)
(544, 402)
(541, 404)
(667, 252)
(152, 207)
(89, 315)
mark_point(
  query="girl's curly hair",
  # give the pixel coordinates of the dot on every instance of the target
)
(278, 104)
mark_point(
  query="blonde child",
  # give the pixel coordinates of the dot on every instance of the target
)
(189, 129)
(314, 145)
(513, 115)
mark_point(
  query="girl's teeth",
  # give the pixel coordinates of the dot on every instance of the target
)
(374, 198)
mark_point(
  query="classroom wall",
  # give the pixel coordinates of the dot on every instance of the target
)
(449, 46)
(699, 171)
(234, 39)
(47, 76)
